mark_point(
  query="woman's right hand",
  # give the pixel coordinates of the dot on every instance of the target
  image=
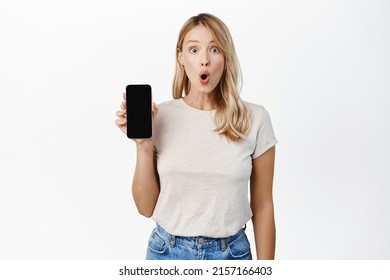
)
(121, 122)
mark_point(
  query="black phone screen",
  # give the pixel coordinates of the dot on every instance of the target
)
(139, 111)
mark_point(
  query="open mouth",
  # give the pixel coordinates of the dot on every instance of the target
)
(204, 77)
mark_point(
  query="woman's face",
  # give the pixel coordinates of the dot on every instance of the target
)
(202, 60)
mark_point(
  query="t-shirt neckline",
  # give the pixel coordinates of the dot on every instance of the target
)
(195, 109)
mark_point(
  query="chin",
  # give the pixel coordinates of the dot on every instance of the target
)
(207, 89)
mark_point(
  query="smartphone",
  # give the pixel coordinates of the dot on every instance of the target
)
(139, 111)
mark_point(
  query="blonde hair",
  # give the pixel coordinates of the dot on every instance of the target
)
(232, 118)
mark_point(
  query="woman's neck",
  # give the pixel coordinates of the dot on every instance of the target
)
(204, 102)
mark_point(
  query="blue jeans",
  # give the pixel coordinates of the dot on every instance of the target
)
(164, 246)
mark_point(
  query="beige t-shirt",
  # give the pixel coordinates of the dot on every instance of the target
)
(203, 177)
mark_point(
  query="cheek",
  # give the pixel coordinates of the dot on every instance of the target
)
(190, 60)
(220, 65)
(189, 65)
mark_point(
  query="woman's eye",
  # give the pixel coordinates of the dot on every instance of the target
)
(193, 50)
(214, 50)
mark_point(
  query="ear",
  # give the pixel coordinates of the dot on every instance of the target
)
(180, 58)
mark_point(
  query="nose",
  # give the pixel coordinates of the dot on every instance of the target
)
(205, 60)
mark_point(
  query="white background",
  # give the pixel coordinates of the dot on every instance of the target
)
(321, 69)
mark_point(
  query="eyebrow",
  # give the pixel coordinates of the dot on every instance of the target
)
(196, 41)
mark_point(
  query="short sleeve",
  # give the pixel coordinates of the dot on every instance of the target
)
(265, 137)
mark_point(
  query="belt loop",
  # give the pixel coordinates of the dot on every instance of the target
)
(223, 244)
(244, 227)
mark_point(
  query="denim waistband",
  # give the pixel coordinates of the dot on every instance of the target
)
(198, 241)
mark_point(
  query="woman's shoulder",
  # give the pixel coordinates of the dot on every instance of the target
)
(260, 114)
(168, 106)
(168, 103)
(255, 109)
(168, 109)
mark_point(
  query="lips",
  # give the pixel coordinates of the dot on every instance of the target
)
(204, 77)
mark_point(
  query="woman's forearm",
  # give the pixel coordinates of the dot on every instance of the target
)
(265, 233)
(145, 186)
